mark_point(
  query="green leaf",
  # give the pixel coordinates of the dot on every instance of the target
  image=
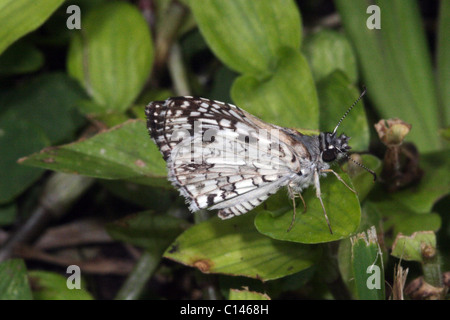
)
(112, 55)
(367, 264)
(445, 133)
(18, 17)
(247, 35)
(246, 294)
(279, 99)
(54, 32)
(328, 51)
(21, 57)
(111, 119)
(49, 102)
(123, 152)
(222, 82)
(443, 61)
(434, 185)
(344, 257)
(13, 145)
(8, 213)
(342, 208)
(336, 95)
(410, 248)
(361, 179)
(235, 247)
(147, 230)
(397, 218)
(52, 286)
(396, 65)
(155, 198)
(13, 281)
(421, 247)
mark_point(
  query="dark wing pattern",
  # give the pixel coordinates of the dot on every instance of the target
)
(219, 156)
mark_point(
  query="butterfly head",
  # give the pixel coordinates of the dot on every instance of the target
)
(332, 147)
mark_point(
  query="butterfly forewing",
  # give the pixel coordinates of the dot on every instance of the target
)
(218, 155)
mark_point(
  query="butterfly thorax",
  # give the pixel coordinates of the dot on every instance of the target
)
(322, 151)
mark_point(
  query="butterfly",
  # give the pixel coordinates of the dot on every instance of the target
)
(221, 157)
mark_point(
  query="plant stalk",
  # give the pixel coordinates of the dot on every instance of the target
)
(60, 192)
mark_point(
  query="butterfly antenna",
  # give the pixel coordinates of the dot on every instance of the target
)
(349, 109)
(364, 167)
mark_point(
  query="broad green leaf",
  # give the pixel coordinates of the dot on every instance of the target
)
(273, 288)
(49, 102)
(396, 65)
(112, 119)
(7, 213)
(288, 98)
(421, 247)
(328, 51)
(336, 95)
(235, 247)
(367, 266)
(18, 138)
(222, 83)
(229, 282)
(445, 133)
(53, 286)
(410, 248)
(247, 35)
(443, 61)
(13, 281)
(369, 217)
(21, 57)
(434, 185)
(55, 31)
(246, 294)
(148, 230)
(398, 218)
(112, 55)
(123, 152)
(19, 17)
(152, 95)
(362, 180)
(342, 208)
(155, 198)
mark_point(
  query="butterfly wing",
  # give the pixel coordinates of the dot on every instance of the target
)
(218, 155)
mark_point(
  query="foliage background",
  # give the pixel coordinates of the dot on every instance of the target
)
(82, 184)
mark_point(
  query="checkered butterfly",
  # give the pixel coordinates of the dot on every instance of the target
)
(222, 157)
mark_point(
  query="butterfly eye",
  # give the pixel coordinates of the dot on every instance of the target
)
(329, 155)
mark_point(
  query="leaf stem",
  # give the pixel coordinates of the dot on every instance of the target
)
(142, 272)
(178, 71)
(166, 33)
(60, 191)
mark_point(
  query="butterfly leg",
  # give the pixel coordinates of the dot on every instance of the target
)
(293, 195)
(340, 179)
(304, 203)
(318, 195)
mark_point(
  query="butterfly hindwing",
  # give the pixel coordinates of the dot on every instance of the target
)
(219, 156)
